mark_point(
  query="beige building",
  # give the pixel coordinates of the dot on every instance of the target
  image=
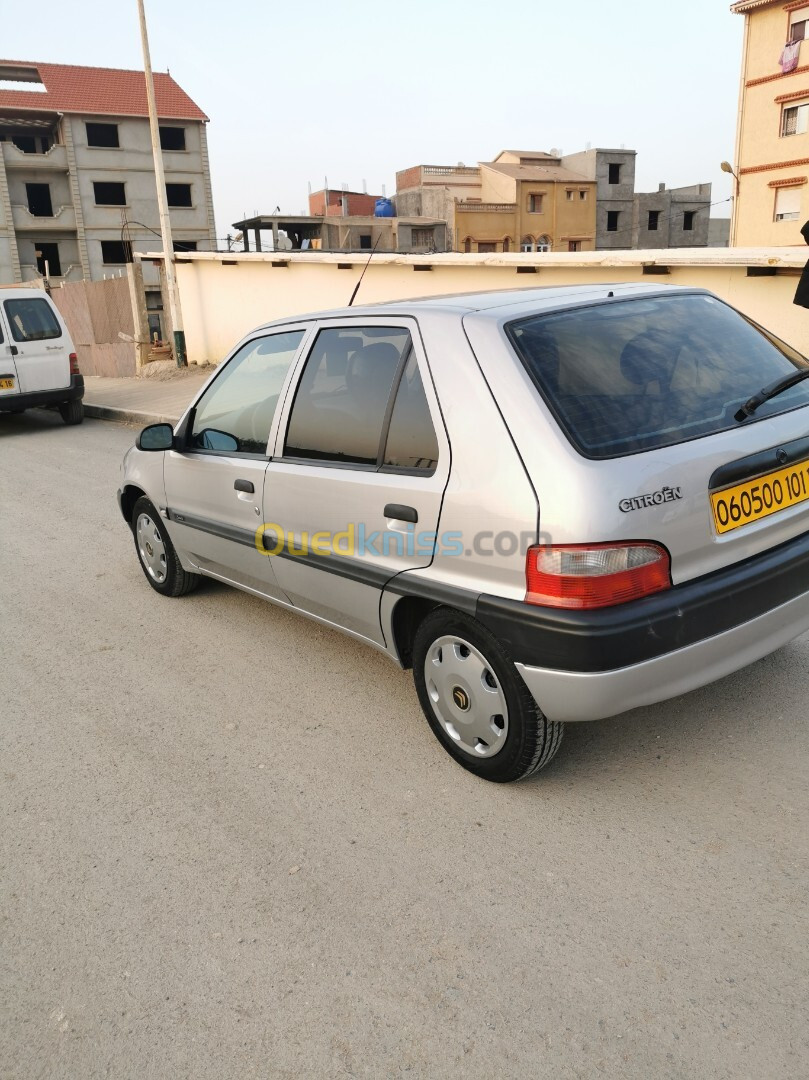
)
(521, 201)
(772, 139)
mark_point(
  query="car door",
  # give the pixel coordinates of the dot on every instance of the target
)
(214, 480)
(353, 493)
(9, 383)
(40, 345)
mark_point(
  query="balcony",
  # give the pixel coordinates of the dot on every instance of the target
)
(54, 160)
(63, 217)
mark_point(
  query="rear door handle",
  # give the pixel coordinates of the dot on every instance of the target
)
(401, 513)
(244, 485)
(13, 350)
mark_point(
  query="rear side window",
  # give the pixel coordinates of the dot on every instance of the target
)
(32, 320)
(411, 442)
(235, 413)
(342, 400)
(633, 375)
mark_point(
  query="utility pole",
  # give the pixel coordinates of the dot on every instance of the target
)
(165, 221)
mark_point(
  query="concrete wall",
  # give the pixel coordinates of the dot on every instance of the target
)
(595, 164)
(222, 301)
(672, 204)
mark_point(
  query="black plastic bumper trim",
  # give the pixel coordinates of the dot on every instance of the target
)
(611, 638)
(37, 399)
(747, 468)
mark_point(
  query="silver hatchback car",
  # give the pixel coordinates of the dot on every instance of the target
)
(552, 504)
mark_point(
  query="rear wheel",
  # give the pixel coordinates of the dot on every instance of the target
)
(156, 553)
(479, 708)
(72, 412)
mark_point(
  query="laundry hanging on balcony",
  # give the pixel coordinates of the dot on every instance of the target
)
(789, 57)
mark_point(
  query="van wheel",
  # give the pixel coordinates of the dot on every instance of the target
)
(156, 553)
(72, 412)
(479, 708)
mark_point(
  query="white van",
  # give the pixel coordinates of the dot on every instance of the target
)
(38, 364)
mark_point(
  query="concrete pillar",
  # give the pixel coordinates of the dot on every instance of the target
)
(258, 239)
(140, 318)
(5, 215)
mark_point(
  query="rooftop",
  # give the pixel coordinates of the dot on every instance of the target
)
(550, 173)
(69, 88)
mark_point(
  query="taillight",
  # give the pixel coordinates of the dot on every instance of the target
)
(74, 364)
(595, 575)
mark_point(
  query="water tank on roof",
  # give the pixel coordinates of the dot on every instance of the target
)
(384, 208)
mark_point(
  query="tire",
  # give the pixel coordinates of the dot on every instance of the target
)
(479, 708)
(72, 412)
(156, 553)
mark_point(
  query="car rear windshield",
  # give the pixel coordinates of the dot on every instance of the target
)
(631, 375)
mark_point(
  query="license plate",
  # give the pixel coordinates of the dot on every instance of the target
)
(755, 499)
(6, 384)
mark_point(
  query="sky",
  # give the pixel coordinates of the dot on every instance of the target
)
(355, 91)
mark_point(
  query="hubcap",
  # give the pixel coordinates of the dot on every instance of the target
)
(151, 549)
(466, 695)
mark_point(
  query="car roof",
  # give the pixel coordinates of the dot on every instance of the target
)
(498, 303)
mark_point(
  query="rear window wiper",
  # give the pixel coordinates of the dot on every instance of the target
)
(771, 391)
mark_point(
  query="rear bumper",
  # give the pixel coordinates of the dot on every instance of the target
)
(590, 665)
(42, 398)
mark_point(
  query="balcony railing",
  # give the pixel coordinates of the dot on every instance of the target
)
(55, 158)
(450, 170)
(63, 217)
(485, 207)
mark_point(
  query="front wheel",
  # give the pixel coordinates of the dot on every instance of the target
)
(72, 412)
(156, 553)
(479, 708)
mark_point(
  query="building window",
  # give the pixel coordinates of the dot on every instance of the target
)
(105, 135)
(48, 261)
(109, 193)
(172, 138)
(654, 218)
(612, 220)
(27, 144)
(527, 244)
(787, 204)
(179, 194)
(797, 24)
(795, 120)
(422, 238)
(574, 245)
(583, 195)
(535, 203)
(365, 241)
(39, 200)
(688, 220)
(571, 195)
(507, 244)
(544, 243)
(486, 246)
(116, 252)
(467, 245)
(614, 173)
(185, 245)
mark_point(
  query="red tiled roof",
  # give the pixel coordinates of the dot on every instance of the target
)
(108, 91)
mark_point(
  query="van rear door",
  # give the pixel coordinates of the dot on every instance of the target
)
(41, 341)
(9, 383)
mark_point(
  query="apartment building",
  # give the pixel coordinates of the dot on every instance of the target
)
(77, 182)
(772, 137)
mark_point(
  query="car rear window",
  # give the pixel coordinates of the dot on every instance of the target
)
(631, 375)
(32, 320)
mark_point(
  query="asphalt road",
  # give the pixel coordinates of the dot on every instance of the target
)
(232, 848)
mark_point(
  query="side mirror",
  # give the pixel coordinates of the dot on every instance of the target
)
(156, 437)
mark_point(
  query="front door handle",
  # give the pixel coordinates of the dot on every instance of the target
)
(244, 485)
(401, 513)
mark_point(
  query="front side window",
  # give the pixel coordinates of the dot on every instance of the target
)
(342, 398)
(236, 412)
(627, 376)
(32, 320)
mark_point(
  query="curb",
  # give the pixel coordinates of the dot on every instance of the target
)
(126, 416)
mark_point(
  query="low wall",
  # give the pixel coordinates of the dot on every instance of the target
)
(96, 314)
(224, 296)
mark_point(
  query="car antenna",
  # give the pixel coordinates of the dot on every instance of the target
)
(362, 275)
